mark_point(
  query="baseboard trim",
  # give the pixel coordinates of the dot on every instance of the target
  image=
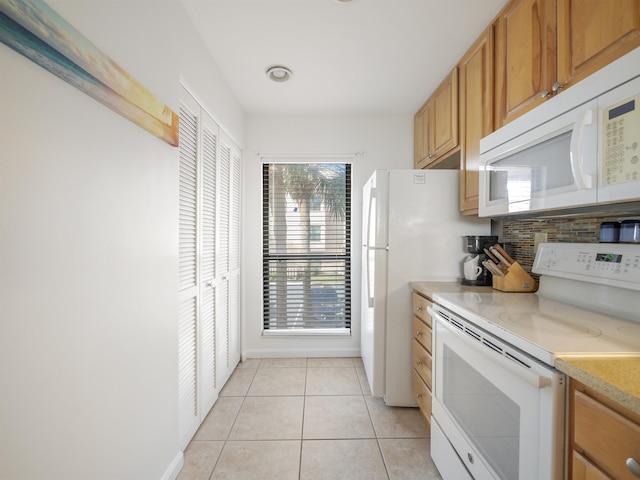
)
(300, 353)
(175, 467)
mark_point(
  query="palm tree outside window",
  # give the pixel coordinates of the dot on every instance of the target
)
(306, 247)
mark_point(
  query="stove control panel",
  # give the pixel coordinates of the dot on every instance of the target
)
(607, 263)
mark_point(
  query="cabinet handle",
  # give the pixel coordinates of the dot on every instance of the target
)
(556, 86)
(545, 93)
(418, 308)
(418, 396)
(418, 333)
(633, 466)
(430, 156)
(418, 363)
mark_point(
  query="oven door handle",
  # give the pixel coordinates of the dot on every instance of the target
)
(521, 371)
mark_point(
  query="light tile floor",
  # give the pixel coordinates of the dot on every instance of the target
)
(307, 419)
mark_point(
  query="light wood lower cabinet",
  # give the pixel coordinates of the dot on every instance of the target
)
(423, 397)
(605, 438)
(583, 469)
(422, 336)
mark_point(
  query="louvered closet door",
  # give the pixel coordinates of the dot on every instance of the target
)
(207, 342)
(223, 357)
(188, 412)
(234, 259)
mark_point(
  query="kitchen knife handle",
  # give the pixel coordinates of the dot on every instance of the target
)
(493, 268)
(491, 255)
(502, 252)
(500, 257)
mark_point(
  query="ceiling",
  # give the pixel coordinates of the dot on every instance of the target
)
(366, 57)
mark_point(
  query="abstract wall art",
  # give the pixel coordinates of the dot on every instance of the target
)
(36, 31)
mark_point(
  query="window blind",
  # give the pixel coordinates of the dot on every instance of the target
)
(307, 246)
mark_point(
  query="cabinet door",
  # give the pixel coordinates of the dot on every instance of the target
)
(422, 136)
(593, 33)
(476, 115)
(445, 115)
(525, 56)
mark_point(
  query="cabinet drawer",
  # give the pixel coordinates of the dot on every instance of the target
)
(422, 362)
(423, 396)
(420, 305)
(615, 439)
(422, 333)
(583, 469)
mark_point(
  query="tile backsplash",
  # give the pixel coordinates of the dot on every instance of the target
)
(518, 235)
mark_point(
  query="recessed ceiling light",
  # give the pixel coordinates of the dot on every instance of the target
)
(343, 1)
(278, 73)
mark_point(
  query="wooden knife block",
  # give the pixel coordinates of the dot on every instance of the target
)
(516, 279)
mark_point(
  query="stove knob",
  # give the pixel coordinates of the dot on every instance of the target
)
(634, 467)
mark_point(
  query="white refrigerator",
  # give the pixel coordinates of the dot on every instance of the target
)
(411, 230)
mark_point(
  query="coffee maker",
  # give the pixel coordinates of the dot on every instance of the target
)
(475, 274)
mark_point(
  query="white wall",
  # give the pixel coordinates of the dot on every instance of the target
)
(88, 254)
(386, 142)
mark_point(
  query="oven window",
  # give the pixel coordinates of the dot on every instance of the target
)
(490, 419)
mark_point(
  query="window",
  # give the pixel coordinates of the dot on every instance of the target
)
(306, 275)
(315, 233)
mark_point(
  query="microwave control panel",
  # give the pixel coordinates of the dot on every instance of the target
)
(621, 142)
(595, 262)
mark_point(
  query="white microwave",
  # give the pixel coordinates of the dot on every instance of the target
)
(578, 149)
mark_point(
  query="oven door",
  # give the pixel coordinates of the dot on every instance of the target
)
(502, 411)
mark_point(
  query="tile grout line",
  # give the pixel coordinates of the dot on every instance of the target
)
(304, 406)
(224, 445)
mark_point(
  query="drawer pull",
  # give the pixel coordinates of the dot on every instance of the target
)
(418, 308)
(418, 396)
(418, 333)
(633, 466)
(418, 363)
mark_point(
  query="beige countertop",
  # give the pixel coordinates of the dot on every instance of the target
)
(428, 289)
(617, 377)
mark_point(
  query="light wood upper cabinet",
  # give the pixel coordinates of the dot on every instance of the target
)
(593, 33)
(525, 56)
(436, 124)
(476, 115)
(422, 143)
(445, 115)
(543, 47)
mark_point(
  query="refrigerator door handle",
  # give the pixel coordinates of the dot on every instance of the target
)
(369, 297)
(372, 195)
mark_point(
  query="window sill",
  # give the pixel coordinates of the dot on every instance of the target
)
(308, 332)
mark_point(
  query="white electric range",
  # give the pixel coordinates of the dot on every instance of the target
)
(498, 407)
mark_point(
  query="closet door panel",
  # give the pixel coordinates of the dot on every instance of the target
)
(208, 385)
(188, 411)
